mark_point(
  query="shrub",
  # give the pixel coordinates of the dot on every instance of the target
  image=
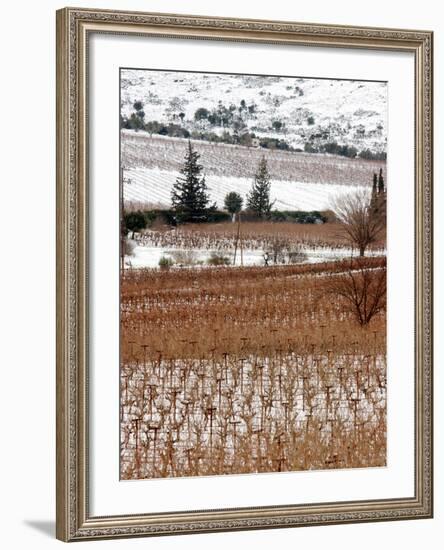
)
(160, 216)
(277, 249)
(309, 148)
(297, 256)
(277, 216)
(165, 262)
(282, 251)
(217, 259)
(218, 216)
(183, 257)
(273, 143)
(249, 215)
(152, 127)
(298, 216)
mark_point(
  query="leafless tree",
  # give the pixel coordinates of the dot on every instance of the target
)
(362, 287)
(362, 223)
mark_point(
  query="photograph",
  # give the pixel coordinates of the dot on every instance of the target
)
(244, 273)
(252, 265)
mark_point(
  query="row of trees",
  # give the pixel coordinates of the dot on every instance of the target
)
(363, 218)
(191, 202)
(231, 119)
(362, 215)
(233, 116)
(349, 151)
(239, 135)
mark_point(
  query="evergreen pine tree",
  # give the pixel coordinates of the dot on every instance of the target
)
(258, 199)
(189, 195)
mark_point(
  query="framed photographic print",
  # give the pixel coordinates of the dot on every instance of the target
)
(244, 274)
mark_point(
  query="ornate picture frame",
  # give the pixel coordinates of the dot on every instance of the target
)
(75, 519)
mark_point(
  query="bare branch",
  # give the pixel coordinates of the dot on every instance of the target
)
(363, 289)
(361, 222)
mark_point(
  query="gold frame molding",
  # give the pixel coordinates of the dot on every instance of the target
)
(73, 519)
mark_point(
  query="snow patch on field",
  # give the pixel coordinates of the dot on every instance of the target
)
(149, 256)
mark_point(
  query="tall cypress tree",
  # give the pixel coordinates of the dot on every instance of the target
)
(382, 195)
(258, 199)
(189, 195)
(374, 199)
(378, 199)
(381, 182)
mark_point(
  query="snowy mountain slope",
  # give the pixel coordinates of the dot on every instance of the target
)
(310, 110)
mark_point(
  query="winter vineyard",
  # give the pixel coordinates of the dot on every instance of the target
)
(237, 370)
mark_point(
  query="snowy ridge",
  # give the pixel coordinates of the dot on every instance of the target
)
(311, 110)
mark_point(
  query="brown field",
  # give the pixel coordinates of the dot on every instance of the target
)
(254, 235)
(258, 369)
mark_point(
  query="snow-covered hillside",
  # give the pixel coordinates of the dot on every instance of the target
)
(139, 150)
(299, 110)
(299, 181)
(154, 186)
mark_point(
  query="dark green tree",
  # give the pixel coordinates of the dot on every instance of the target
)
(136, 122)
(153, 127)
(258, 199)
(134, 221)
(137, 119)
(201, 114)
(189, 195)
(233, 203)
